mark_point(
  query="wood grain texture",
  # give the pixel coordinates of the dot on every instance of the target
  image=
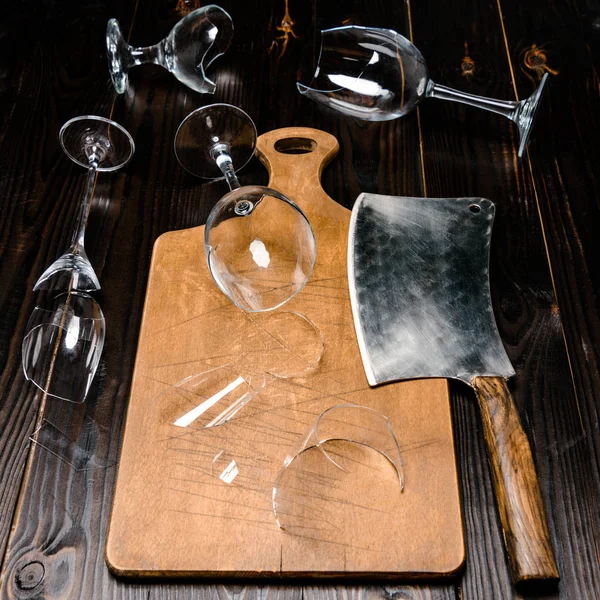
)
(516, 485)
(38, 191)
(373, 592)
(52, 67)
(564, 42)
(470, 151)
(169, 499)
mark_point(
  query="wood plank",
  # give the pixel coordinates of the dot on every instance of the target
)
(564, 163)
(39, 188)
(421, 592)
(473, 152)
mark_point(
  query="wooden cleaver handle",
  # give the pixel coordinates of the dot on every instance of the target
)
(516, 484)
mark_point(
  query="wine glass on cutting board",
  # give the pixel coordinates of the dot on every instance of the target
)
(377, 75)
(259, 245)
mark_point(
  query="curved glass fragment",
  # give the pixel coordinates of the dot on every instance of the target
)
(346, 474)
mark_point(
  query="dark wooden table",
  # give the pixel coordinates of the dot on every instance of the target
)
(545, 267)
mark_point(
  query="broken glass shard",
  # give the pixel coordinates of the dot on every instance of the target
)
(344, 476)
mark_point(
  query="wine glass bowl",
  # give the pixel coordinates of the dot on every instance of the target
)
(377, 75)
(187, 52)
(259, 245)
(368, 73)
(62, 345)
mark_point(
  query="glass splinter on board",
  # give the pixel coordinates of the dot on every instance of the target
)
(284, 345)
(292, 345)
(225, 467)
(345, 476)
(208, 399)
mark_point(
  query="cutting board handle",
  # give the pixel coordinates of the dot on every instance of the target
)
(516, 484)
(295, 158)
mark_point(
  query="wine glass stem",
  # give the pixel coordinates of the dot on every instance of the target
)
(506, 108)
(149, 54)
(224, 163)
(77, 243)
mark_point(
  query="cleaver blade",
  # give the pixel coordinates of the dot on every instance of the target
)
(418, 273)
(419, 288)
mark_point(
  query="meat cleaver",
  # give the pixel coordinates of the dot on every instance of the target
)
(419, 287)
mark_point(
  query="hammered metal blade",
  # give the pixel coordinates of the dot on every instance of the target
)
(419, 286)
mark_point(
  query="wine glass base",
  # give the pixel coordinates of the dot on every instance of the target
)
(210, 127)
(90, 140)
(527, 113)
(117, 53)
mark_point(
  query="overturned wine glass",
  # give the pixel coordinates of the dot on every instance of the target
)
(378, 75)
(98, 145)
(190, 48)
(258, 243)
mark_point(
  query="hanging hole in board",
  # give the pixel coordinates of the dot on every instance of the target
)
(296, 145)
(475, 208)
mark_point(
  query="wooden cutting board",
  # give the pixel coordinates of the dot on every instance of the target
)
(198, 502)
